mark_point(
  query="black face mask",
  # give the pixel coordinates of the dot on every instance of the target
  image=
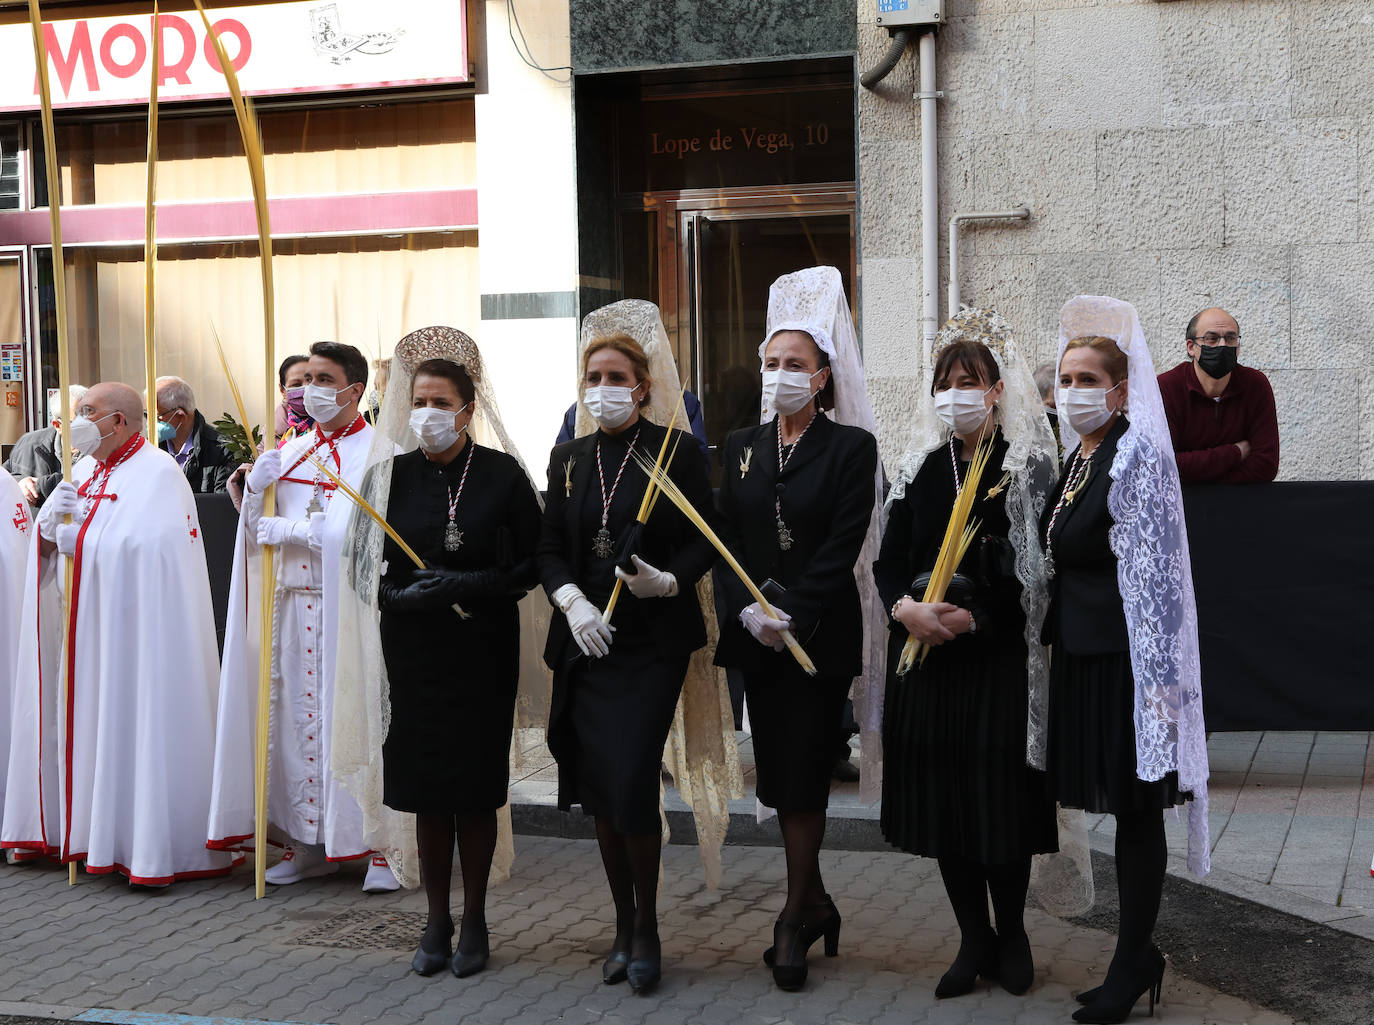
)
(1217, 361)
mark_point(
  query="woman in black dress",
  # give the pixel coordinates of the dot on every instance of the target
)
(472, 515)
(616, 685)
(956, 785)
(795, 503)
(1126, 733)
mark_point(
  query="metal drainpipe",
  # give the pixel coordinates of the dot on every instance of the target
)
(1019, 214)
(930, 194)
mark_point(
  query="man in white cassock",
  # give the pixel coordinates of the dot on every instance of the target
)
(110, 740)
(16, 521)
(322, 822)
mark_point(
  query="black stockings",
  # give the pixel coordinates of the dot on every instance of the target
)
(631, 861)
(476, 841)
(1141, 856)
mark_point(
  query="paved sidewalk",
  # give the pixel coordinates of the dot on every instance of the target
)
(322, 952)
(1292, 821)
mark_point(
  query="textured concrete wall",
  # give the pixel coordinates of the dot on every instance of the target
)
(1174, 154)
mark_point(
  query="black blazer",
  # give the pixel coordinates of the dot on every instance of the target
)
(1085, 614)
(827, 501)
(670, 541)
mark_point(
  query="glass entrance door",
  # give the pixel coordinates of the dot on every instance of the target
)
(731, 256)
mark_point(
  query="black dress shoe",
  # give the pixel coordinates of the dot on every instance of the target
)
(1015, 966)
(616, 967)
(645, 968)
(819, 920)
(434, 950)
(829, 916)
(977, 956)
(467, 963)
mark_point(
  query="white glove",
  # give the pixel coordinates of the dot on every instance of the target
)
(646, 581)
(278, 530)
(764, 628)
(64, 501)
(66, 538)
(266, 471)
(316, 538)
(584, 620)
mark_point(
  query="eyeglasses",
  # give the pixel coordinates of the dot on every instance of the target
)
(1212, 338)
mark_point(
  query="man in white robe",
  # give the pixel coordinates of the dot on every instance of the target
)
(16, 520)
(127, 718)
(321, 820)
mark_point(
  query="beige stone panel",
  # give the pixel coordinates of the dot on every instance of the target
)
(1332, 72)
(1054, 173)
(1132, 277)
(1332, 318)
(1253, 284)
(1366, 414)
(1292, 181)
(1098, 68)
(1007, 284)
(1366, 185)
(887, 113)
(984, 68)
(1226, 62)
(1315, 409)
(969, 8)
(891, 315)
(1151, 195)
(890, 198)
(895, 401)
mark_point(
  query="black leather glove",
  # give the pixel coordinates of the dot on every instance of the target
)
(458, 585)
(419, 596)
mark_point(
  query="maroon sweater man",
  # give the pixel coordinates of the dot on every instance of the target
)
(1221, 415)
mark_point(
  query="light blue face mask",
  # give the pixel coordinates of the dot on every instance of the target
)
(165, 432)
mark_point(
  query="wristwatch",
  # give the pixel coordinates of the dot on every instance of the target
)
(972, 623)
(897, 603)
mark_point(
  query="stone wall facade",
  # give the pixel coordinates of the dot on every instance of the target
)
(1174, 154)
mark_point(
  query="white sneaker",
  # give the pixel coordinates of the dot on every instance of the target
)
(301, 861)
(379, 878)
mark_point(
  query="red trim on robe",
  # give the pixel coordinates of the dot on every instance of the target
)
(176, 877)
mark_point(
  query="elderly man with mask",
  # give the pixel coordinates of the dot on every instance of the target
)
(1221, 415)
(304, 799)
(135, 692)
(193, 443)
(35, 462)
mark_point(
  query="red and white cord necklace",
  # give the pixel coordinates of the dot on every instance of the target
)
(453, 537)
(602, 545)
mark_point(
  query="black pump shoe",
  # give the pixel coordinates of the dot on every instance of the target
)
(791, 974)
(1156, 957)
(1110, 1010)
(616, 967)
(434, 951)
(470, 963)
(645, 970)
(975, 958)
(825, 924)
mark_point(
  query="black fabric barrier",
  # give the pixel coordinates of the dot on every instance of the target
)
(218, 523)
(1284, 575)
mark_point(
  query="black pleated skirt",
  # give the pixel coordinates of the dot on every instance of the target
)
(796, 723)
(610, 721)
(955, 779)
(1091, 758)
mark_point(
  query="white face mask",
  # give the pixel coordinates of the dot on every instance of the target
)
(610, 405)
(787, 391)
(962, 410)
(1085, 409)
(434, 427)
(85, 435)
(322, 403)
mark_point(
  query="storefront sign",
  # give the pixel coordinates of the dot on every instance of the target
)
(11, 361)
(277, 49)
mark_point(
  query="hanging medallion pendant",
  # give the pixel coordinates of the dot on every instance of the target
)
(602, 546)
(784, 537)
(314, 506)
(453, 537)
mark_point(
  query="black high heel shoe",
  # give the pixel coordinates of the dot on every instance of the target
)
(790, 974)
(434, 950)
(1106, 1010)
(646, 969)
(467, 963)
(829, 910)
(1156, 957)
(975, 958)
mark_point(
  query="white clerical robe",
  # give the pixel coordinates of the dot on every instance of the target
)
(133, 697)
(304, 799)
(16, 522)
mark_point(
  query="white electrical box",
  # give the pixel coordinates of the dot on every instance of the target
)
(904, 13)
